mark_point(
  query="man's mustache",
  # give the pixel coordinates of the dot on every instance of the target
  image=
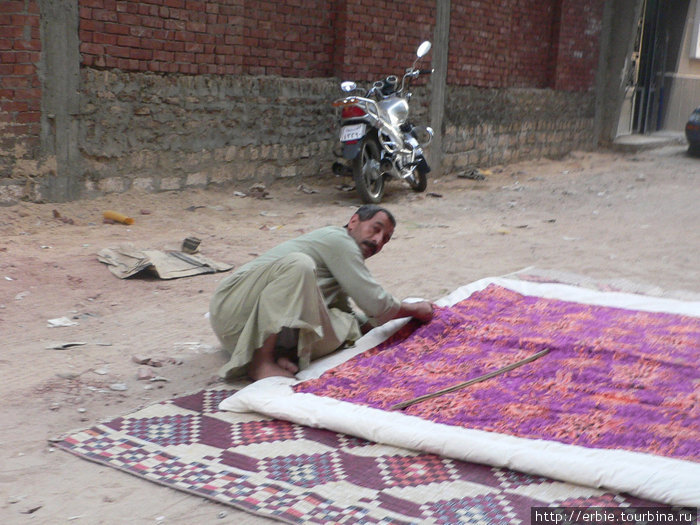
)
(372, 245)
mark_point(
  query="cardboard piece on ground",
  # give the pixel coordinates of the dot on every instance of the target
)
(125, 262)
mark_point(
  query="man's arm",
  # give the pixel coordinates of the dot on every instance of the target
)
(343, 260)
(423, 311)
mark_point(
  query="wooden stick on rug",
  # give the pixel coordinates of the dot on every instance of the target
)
(507, 368)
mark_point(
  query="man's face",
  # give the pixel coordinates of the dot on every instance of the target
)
(371, 235)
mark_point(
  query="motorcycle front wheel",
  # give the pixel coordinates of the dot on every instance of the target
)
(366, 171)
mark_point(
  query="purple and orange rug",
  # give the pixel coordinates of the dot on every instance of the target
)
(613, 378)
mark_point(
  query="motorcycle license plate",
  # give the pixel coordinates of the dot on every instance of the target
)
(353, 132)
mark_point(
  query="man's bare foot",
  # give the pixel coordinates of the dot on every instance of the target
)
(259, 371)
(287, 364)
(265, 365)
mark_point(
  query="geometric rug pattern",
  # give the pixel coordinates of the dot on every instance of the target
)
(298, 474)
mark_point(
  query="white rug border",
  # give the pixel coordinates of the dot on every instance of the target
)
(670, 481)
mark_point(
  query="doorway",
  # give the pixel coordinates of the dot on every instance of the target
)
(655, 52)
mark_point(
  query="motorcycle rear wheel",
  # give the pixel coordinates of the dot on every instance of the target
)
(418, 181)
(366, 171)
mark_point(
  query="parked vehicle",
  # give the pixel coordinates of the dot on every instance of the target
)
(692, 132)
(377, 141)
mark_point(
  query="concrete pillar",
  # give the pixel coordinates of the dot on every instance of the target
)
(438, 82)
(60, 104)
(620, 20)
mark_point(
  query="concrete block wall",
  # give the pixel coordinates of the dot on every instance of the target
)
(161, 132)
(488, 127)
(176, 93)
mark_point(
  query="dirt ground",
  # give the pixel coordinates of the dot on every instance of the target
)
(605, 215)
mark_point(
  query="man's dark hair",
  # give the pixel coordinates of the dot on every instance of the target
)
(367, 211)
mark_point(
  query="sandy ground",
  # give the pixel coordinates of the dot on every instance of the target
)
(632, 216)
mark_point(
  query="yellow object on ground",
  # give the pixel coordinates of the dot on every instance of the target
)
(118, 217)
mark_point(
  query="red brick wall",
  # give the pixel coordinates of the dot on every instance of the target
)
(20, 89)
(577, 44)
(358, 39)
(290, 38)
(512, 43)
(499, 45)
(524, 43)
(378, 38)
(515, 43)
(492, 45)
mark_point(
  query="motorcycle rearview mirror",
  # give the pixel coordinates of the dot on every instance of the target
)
(423, 49)
(348, 86)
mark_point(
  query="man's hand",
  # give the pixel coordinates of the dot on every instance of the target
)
(422, 310)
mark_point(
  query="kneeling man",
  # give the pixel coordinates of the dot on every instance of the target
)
(290, 304)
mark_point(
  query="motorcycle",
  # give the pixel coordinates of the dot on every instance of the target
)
(377, 141)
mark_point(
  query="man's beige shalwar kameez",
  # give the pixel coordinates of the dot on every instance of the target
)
(303, 284)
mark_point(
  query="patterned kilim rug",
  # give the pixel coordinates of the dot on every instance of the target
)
(298, 474)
